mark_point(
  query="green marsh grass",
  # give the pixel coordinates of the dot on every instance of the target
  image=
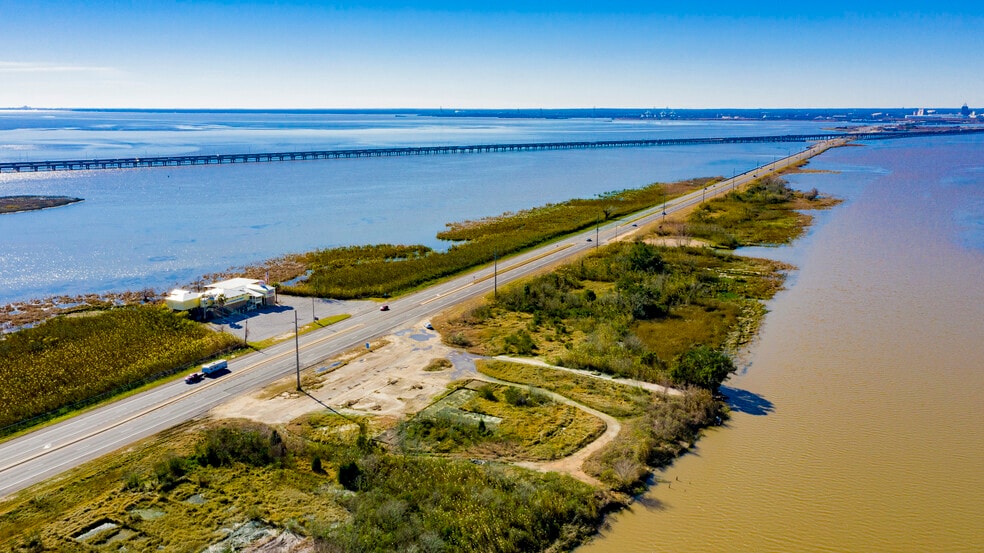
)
(386, 269)
(72, 359)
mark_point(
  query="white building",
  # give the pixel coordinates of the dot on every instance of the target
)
(235, 294)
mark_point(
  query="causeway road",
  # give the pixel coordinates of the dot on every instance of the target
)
(56, 448)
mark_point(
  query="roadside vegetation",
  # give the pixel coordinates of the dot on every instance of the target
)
(443, 480)
(72, 359)
(630, 309)
(321, 479)
(768, 212)
(384, 270)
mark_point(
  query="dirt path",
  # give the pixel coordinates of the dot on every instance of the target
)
(390, 380)
(626, 381)
(574, 464)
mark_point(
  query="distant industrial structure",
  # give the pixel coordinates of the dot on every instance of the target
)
(936, 116)
(236, 295)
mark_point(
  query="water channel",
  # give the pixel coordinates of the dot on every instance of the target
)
(857, 414)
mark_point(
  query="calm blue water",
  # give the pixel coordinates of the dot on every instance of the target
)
(950, 186)
(52, 134)
(164, 227)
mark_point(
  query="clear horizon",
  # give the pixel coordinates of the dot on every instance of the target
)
(471, 109)
(298, 54)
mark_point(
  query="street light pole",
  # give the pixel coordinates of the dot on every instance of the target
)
(297, 352)
(495, 273)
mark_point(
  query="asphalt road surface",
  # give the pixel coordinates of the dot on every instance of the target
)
(54, 449)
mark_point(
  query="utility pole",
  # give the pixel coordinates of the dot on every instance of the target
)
(495, 273)
(313, 316)
(297, 352)
(246, 333)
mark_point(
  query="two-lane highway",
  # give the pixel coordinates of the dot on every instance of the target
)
(54, 449)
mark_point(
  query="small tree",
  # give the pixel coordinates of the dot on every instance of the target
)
(348, 475)
(703, 367)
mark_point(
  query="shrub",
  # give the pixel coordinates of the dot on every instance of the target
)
(258, 446)
(524, 397)
(487, 392)
(520, 343)
(132, 481)
(703, 367)
(169, 471)
(348, 475)
(429, 504)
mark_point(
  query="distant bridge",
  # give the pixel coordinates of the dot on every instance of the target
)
(222, 159)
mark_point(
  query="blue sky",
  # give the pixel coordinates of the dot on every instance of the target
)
(297, 54)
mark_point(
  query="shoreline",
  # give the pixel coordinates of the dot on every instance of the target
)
(390, 383)
(27, 203)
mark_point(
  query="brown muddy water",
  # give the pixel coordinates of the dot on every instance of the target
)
(858, 414)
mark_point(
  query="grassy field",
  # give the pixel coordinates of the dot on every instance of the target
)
(613, 398)
(188, 488)
(75, 358)
(501, 422)
(638, 310)
(159, 497)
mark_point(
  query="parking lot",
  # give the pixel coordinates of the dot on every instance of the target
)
(277, 320)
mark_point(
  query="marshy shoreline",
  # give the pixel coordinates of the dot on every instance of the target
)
(21, 204)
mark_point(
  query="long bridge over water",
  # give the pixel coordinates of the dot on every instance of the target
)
(221, 159)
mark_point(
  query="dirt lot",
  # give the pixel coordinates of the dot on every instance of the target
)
(388, 380)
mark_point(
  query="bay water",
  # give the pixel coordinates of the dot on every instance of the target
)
(856, 416)
(857, 422)
(163, 227)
